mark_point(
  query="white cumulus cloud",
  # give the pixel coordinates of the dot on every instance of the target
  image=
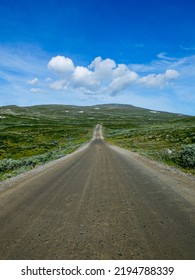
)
(100, 65)
(82, 76)
(102, 76)
(61, 64)
(103, 69)
(120, 82)
(171, 74)
(155, 80)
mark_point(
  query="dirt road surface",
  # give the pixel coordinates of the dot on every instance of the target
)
(102, 202)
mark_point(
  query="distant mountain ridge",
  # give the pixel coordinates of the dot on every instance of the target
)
(59, 107)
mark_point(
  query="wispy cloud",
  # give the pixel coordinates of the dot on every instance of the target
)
(20, 67)
(164, 56)
(21, 60)
(191, 48)
(37, 90)
(34, 81)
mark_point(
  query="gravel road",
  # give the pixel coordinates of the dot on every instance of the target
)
(102, 202)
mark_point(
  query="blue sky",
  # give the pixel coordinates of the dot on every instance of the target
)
(84, 52)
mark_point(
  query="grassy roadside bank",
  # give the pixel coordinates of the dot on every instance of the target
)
(31, 137)
(171, 142)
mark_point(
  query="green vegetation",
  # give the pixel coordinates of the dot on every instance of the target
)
(165, 137)
(30, 136)
(35, 135)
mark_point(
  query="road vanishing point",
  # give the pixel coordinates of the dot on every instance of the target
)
(101, 202)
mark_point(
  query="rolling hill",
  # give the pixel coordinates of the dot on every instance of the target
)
(33, 135)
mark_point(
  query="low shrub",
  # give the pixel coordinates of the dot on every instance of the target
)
(187, 156)
(16, 166)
